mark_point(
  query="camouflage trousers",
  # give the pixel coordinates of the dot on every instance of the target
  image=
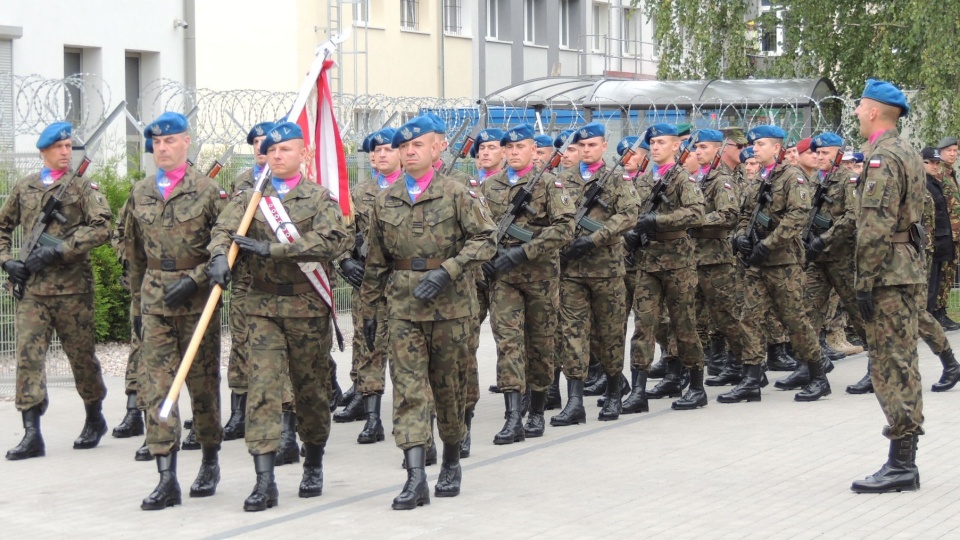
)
(132, 374)
(928, 328)
(776, 291)
(824, 277)
(894, 363)
(287, 350)
(675, 290)
(524, 321)
(71, 315)
(592, 307)
(428, 358)
(472, 389)
(836, 316)
(948, 277)
(165, 339)
(368, 369)
(237, 368)
(717, 285)
(773, 330)
(665, 336)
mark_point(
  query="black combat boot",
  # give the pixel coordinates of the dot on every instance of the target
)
(599, 386)
(132, 423)
(899, 473)
(289, 452)
(31, 445)
(535, 423)
(235, 428)
(946, 322)
(336, 393)
(553, 393)
(431, 458)
(818, 386)
(190, 443)
(513, 428)
(265, 494)
(167, 492)
(715, 355)
(348, 395)
(659, 369)
(731, 373)
(94, 427)
(696, 396)
(748, 389)
(373, 429)
(448, 483)
(636, 401)
(864, 386)
(352, 412)
(612, 407)
(779, 359)
(415, 492)
(525, 402)
(494, 389)
(829, 351)
(798, 379)
(624, 391)
(209, 476)
(951, 372)
(573, 413)
(670, 385)
(143, 453)
(311, 485)
(465, 444)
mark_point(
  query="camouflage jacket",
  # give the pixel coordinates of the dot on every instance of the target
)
(552, 225)
(447, 223)
(681, 209)
(242, 182)
(176, 230)
(952, 191)
(838, 208)
(890, 200)
(721, 198)
(620, 214)
(787, 213)
(87, 226)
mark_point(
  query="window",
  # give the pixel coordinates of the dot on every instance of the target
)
(73, 85)
(529, 21)
(410, 14)
(131, 80)
(630, 31)
(493, 19)
(452, 17)
(770, 30)
(565, 23)
(361, 12)
(600, 29)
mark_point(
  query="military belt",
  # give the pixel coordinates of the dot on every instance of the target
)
(417, 264)
(901, 237)
(672, 235)
(710, 233)
(170, 265)
(282, 289)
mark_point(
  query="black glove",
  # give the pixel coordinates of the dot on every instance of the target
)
(743, 245)
(632, 239)
(261, 249)
(629, 260)
(509, 258)
(177, 294)
(370, 333)
(815, 248)
(646, 223)
(219, 271)
(489, 271)
(138, 326)
(759, 254)
(16, 270)
(431, 285)
(352, 271)
(865, 303)
(579, 247)
(42, 257)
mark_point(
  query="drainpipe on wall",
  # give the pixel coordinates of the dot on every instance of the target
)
(190, 50)
(443, 59)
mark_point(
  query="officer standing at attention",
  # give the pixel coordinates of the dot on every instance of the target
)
(890, 277)
(170, 218)
(948, 154)
(426, 236)
(57, 282)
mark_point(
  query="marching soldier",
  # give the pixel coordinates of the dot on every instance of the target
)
(948, 153)
(57, 283)
(288, 322)
(426, 235)
(524, 289)
(543, 150)
(168, 228)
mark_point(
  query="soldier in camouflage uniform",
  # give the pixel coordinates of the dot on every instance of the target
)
(427, 233)
(524, 289)
(287, 320)
(57, 285)
(170, 216)
(592, 295)
(890, 277)
(770, 245)
(666, 272)
(948, 152)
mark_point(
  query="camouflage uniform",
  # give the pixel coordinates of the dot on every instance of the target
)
(428, 343)
(949, 273)
(525, 301)
(928, 328)
(237, 367)
(132, 374)
(891, 190)
(164, 241)
(472, 389)
(60, 296)
(288, 324)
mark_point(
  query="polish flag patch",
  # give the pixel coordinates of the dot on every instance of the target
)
(558, 184)
(874, 162)
(727, 186)
(223, 194)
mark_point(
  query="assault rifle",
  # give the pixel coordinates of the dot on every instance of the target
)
(650, 205)
(716, 159)
(757, 217)
(592, 196)
(814, 219)
(465, 147)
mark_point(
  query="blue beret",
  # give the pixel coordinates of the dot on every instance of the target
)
(644, 145)
(562, 138)
(380, 138)
(706, 135)
(589, 131)
(659, 130)
(746, 154)
(439, 126)
(485, 136)
(284, 131)
(259, 130)
(625, 144)
(365, 145)
(686, 145)
(168, 123)
(543, 141)
(54, 133)
(825, 140)
(517, 133)
(886, 93)
(415, 128)
(768, 131)
(148, 145)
